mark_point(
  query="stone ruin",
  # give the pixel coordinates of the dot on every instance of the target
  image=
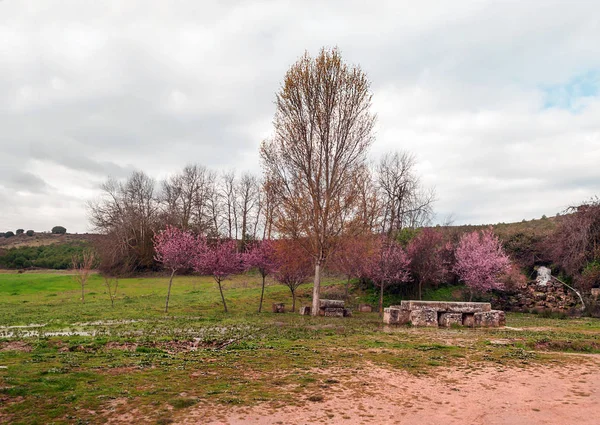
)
(329, 308)
(444, 314)
(545, 293)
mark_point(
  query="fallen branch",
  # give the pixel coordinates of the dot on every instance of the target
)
(573, 289)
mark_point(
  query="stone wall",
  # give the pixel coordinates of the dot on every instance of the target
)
(552, 296)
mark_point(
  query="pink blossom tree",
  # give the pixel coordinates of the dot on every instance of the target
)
(351, 258)
(262, 257)
(425, 252)
(480, 261)
(389, 265)
(175, 249)
(294, 266)
(220, 260)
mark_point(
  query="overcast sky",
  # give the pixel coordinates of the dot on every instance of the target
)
(498, 100)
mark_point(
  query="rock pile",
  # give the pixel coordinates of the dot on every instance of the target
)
(543, 294)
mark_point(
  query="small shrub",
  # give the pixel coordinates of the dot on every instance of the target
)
(30, 233)
(20, 231)
(9, 234)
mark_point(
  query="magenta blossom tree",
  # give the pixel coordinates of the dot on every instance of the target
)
(480, 261)
(220, 260)
(427, 264)
(352, 258)
(175, 249)
(262, 257)
(389, 265)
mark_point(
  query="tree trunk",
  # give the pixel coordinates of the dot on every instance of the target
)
(293, 301)
(470, 294)
(222, 296)
(381, 299)
(82, 291)
(262, 294)
(169, 291)
(316, 289)
(347, 289)
(420, 289)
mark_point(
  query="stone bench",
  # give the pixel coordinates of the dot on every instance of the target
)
(329, 308)
(445, 314)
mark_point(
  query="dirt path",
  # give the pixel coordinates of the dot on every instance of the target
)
(568, 394)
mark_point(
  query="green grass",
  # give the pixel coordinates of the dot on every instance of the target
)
(196, 355)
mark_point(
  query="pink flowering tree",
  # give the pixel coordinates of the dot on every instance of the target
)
(175, 250)
(481, 261)
(219, 260)
(427, 264)
(294, 266)
(351, 258)
(262, 257)
(389, 265)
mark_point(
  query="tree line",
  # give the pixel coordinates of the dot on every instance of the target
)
(318, 192)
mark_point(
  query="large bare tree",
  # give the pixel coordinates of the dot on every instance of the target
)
(248, 191)
(127, 214)
(405, 202)
(323, 129)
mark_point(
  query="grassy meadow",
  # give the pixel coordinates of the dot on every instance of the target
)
(63, 361)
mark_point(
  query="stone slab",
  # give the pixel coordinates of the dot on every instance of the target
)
(424, 317)
(489, 319)
(448, 319)
(395, 316)
(468, 320)
(365, 308)
(332, 312)
(305, 310)
(331, 304)
(442, 306)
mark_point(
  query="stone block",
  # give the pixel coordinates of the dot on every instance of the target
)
(489, 319)
(331, 303)
(332, 312)
(448, 319)
(468, 320)
(278, 308)
(395, 316)
(423, 317)
(449, 307)
(365, 308)
(305, 310)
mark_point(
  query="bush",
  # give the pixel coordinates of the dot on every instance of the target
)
(20, 231)
(59, 230)
(30, 233)
(9, 234)
(47, 257)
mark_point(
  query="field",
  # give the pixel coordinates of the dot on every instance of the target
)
(64, 361)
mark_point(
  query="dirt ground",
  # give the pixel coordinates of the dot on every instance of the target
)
(557, 394)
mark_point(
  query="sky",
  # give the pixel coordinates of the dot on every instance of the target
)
(498, 100)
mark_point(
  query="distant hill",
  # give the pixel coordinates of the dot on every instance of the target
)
(43, 250)
(43, 239)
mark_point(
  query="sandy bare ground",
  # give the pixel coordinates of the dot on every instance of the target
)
(556, 394)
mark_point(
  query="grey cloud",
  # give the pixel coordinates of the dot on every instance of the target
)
(91, 89)
(23, 181)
